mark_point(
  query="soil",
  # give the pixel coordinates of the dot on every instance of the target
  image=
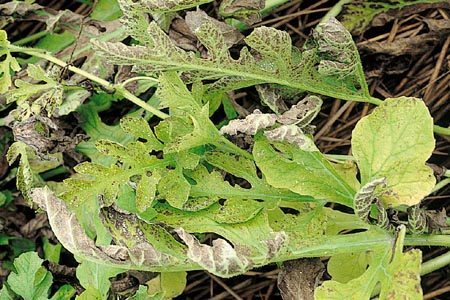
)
(404, 53)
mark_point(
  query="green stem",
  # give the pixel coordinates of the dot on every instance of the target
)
(30, 38)
(106, 84)
(427, 240)
(435, 264)
(440, 185)
(125, 93)
(441, 130)
(335, 10)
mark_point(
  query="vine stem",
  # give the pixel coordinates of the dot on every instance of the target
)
(120, 89)
(435, 263)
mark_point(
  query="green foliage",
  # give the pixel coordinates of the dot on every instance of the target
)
(303, 170)
(95, 279)
(152, 189)
(30, 280)
(397, 273)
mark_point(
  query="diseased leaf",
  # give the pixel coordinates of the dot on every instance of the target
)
(220, 258)
(251, 124)
(276, 60)
(7, 63)
(247, 11)
(367, 196)
(129, 231)
(195, 19)
(405, 280)
(34, 98)
(302, 170)
(140, 255)
(297, 278)
(154, 6)
(297, 117)
(358, 15)
(25, 175)
(394, 142)
(271, 97)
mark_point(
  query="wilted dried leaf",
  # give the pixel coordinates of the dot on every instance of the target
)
(298, 278)
(251, 124)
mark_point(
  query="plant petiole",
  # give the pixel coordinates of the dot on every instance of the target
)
(139, 78)
(435, 263)
(31, 38)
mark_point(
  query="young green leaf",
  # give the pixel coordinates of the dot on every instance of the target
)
(394, 142)
(65, 292)
(7, 63)
(106, 10)
(30, 279)
(90, 293)
(142, 294)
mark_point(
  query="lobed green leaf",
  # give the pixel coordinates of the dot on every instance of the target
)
(30, 279)
(302, 170)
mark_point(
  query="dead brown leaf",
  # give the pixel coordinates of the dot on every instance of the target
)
(298, 278)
